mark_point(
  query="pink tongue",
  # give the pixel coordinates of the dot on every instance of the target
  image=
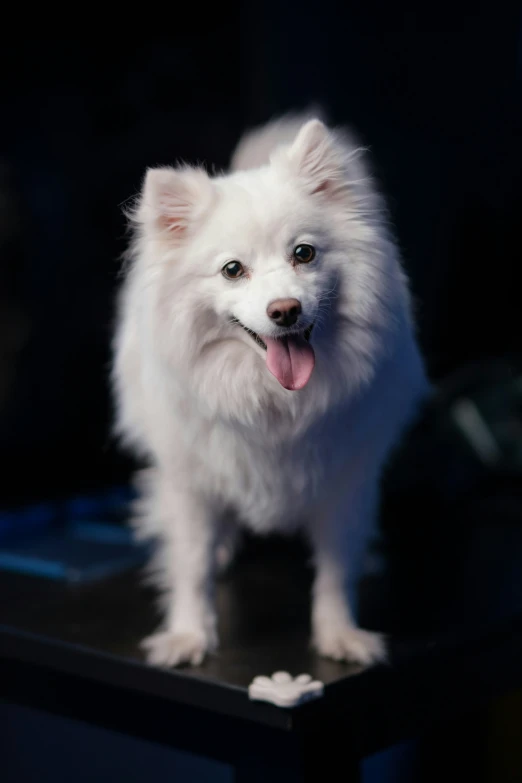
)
(291, 360)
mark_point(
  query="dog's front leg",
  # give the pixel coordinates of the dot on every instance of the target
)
(186, 565)
(340, 536)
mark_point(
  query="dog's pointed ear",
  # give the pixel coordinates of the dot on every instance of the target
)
(174, 201)
(318, 159)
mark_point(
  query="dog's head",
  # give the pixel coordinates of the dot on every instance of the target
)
(271, 257)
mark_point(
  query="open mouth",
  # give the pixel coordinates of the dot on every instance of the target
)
(289, 357)
(257, 339)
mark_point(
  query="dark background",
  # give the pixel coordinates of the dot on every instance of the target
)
(434, 92)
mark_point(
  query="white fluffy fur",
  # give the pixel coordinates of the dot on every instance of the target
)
(223, 438)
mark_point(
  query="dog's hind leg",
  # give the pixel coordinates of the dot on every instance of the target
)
(227, 544)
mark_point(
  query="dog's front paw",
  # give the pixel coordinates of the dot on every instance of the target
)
(351, 644)
(174, 649)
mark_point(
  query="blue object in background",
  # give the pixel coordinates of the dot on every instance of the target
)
(77, 541)
(111, 505)
(27, 520)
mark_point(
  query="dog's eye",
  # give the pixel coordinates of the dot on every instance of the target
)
(233, 270)
(303, 254)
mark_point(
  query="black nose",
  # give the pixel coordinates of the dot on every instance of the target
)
(284, 312)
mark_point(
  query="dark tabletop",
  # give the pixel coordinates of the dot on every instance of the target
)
(449, 595)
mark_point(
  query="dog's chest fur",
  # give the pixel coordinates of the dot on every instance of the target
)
(274, 483)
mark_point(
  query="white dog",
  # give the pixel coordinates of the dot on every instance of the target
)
(265, 363)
